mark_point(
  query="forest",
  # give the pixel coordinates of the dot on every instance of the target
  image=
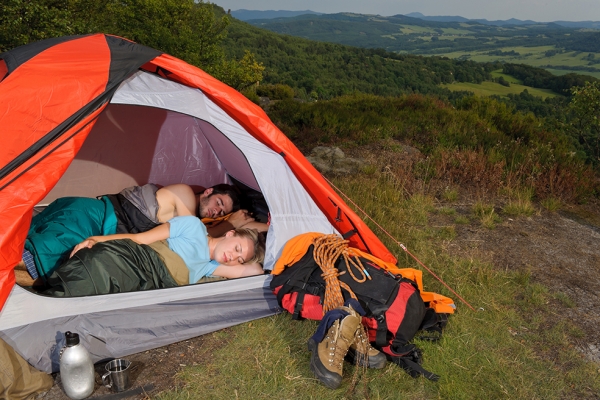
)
(540, 78)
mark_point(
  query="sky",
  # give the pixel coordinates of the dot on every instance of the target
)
(536, 10)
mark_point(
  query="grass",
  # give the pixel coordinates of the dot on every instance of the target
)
(565, 300)
(551, 204)
(487, 88)
(520, 203)
(509, 78)
(461, 220)
(512, 347)
(446, 232)
(450, 194)
(447, 210)
(486, 214)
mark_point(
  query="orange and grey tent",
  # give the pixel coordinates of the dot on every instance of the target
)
(90, 115)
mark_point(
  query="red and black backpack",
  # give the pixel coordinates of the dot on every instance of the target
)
(395, 309)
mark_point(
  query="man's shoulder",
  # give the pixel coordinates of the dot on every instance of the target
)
(179, 192)
(178, 188)
(173, 200)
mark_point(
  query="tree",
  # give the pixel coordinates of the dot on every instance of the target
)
(187, 29)
(22, 21)
(239, 74)
(585, 105)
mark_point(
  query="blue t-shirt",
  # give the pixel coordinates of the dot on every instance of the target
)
(189, 239)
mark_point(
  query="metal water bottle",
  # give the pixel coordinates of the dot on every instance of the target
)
(76, 368)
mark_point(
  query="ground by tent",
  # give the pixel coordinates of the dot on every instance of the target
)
(90, 115)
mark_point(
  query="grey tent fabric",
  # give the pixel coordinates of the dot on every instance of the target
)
(118, 333)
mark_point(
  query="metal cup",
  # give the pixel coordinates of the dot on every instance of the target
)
(118, 375)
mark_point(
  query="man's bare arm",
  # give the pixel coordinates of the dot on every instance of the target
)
(239, 219)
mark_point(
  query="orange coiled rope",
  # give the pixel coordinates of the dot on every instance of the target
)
(328, 248)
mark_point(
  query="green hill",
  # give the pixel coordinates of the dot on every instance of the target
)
(326, 70)
(404, 34)
(414, 35)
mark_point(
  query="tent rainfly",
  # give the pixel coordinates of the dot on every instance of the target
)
(90, 115)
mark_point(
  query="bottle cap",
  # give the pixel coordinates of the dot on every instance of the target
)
(72, 339)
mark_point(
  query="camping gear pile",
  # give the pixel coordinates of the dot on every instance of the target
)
(318, 274)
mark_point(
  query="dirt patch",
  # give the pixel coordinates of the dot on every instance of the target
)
(559, 250)
(153, 371)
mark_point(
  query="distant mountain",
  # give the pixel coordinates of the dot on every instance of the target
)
(246, 15)
(512, 21)
(436, 19)
(580, 24)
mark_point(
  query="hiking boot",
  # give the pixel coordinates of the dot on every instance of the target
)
(362, 353)
(327, 357)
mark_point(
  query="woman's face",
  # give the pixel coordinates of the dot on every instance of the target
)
(233, 250)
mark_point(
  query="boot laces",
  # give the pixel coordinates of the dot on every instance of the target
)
(338, 347)
(361, 345)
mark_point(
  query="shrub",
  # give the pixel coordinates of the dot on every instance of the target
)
(482, 145)
(275, 92)
(251, 95)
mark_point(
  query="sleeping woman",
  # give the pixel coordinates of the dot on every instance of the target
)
(178, 252)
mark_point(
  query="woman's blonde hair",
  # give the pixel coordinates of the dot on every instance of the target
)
(258, 239)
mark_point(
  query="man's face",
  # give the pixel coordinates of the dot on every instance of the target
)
(214, 205)
(233, 250)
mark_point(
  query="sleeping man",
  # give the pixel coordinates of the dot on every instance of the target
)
(177, 252)
(67, 221)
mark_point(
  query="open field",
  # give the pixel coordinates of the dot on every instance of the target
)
(536, 56)
(453, 31)
(445, 37)
(511, 79)
(564, 72)
(408, 29)
(492, 88)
